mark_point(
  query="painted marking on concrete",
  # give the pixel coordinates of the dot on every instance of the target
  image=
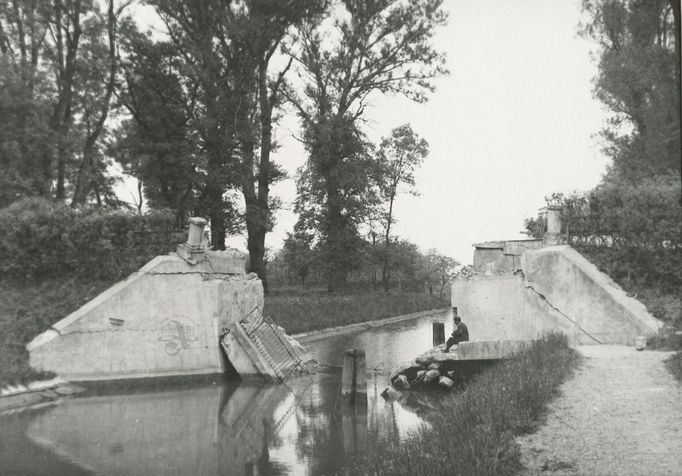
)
(178, 335)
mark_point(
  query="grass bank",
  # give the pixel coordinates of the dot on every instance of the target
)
(312, 311)
(475, 431)
(665, 304)
(29, 308)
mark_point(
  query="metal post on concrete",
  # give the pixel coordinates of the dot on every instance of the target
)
(354, 376)
(438, 333)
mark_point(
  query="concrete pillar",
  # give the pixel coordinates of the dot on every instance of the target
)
(553, 234)
(196, 232)
(554, 219)
(196, 246)
(354, 376)
(438, 333)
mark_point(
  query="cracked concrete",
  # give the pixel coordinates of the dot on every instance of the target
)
(558, 290)
(162, 320)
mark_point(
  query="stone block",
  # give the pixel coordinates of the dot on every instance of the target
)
(431, 375)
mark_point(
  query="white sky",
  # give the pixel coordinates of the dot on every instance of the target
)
(514, 122)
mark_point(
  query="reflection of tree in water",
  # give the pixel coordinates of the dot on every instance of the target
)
(318, 420)
(263, 466)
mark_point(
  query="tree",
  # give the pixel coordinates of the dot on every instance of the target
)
(257, 30)
(368, 47)
(199, 32)
(639, 81)
(440, 269)
(228, 46)
(158, 143)
(299, 254)
(61, 62)
(25, 102)
(399, 156)
(98, 66)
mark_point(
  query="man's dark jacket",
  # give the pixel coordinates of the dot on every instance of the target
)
(461, 334)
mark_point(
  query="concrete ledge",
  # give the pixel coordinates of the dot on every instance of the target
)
(311, 336)
(475, 350)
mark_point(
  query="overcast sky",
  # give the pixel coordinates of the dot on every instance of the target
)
(514, 122)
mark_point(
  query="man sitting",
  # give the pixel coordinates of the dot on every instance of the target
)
(459, 334)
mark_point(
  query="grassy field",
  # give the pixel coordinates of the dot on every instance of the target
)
(474, 433)
(301, 312)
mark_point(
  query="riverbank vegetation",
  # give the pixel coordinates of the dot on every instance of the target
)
(629, 224)
(474, 432)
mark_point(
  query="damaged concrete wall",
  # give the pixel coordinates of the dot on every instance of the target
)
(573, 284)
(496, 257)
(165, 319)
(501, 307)
(558, 289)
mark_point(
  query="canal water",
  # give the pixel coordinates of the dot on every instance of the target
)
(302, 427)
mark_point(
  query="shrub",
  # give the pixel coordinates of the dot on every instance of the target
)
(42, 238)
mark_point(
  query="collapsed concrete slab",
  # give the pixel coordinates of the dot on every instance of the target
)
(167, 319)
(552, 289)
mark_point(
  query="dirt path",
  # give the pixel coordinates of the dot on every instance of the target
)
(621, 414)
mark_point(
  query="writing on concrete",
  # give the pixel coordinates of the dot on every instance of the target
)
(179, 333)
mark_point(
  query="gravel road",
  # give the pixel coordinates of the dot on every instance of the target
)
(621, 414)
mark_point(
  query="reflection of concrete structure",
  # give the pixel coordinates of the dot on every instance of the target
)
(200, 431)
(522, 289)
(166, 319)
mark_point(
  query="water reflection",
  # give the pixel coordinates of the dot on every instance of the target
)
(303, 427)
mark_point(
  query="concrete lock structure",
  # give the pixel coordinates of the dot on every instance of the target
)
(175, 316)
(522, 288)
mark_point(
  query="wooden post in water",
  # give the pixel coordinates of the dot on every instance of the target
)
(438, 333)
(354, 376)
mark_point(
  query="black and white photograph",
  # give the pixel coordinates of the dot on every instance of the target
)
(340, 238)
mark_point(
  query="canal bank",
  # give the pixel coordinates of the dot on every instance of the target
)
(300, 427)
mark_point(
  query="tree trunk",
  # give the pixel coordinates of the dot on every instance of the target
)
(85, 179)
(336, 269)
(385, 271)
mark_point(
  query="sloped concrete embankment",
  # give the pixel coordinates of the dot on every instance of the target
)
(164, 320)
(557, 290)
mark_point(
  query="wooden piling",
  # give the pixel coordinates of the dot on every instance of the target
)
(438, 333)
(354, 376)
